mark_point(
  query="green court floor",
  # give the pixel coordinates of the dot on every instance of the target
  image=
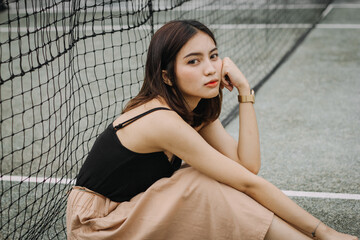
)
(309, 120)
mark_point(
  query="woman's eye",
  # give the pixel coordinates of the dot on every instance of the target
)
(215, 55)
(193, 61)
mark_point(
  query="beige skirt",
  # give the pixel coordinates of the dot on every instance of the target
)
(189, 205)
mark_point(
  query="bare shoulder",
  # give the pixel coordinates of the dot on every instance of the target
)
(167, 123)
(166, 130)
(141, 109)
(146, 132)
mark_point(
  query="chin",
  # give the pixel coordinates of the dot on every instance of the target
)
(216, 93)
(212, 95)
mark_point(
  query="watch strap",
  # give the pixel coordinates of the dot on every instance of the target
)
(247, 98)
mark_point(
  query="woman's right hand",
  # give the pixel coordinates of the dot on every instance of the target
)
(233, 77)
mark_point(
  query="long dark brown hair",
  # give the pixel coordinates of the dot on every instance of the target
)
(163, 48)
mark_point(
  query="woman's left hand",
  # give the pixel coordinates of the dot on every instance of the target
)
(231, 76)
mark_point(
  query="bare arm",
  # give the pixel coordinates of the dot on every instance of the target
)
(177, 137)
(246, 150)
(186, 143)
(249, 143)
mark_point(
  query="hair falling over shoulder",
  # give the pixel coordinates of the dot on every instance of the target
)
(162, 51)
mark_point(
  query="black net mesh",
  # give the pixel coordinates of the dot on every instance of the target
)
(67, 68)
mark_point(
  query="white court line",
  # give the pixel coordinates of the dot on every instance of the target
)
(148, 27)
(337, 26)
(247, 7)
(345, 5)
(260, 26)
(36, 179)
(326, 11)
(324, 195)
(212, 26)
(135, 7)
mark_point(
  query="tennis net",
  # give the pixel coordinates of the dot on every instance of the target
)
(67, 68)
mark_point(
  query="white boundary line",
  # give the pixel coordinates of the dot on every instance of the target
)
(187, 8)
(212, 26)
(27, 179)
(345, 5)
(259, 26)
(326, 11)
(324, 195)
(337, 26)
(124, 6)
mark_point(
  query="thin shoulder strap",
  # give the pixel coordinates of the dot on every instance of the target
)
(131, 120)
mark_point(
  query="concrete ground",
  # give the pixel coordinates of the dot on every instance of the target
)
(309, 120)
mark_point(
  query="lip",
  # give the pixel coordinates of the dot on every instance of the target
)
(212, 83)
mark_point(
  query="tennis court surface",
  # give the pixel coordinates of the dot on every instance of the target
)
(66, 71)
(309, 120)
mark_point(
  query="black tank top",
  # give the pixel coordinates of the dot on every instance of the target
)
(119, 173)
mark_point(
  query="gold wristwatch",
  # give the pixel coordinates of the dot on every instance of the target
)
(247, 98)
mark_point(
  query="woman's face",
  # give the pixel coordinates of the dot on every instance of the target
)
(198, 69)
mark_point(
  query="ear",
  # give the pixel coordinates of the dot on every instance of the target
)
(166, 78)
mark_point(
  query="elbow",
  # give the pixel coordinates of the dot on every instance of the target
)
(251, 163)
(254, 169)
(253, 166)
(257, 166)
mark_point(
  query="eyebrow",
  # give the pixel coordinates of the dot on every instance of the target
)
(198, 53)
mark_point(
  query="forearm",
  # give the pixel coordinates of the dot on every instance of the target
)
(249, 143)
(276, 201)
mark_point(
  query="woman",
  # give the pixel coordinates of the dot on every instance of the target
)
(130, 187)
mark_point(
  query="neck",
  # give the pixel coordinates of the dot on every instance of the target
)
(192, 104)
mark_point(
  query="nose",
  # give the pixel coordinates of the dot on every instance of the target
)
(209, 68)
